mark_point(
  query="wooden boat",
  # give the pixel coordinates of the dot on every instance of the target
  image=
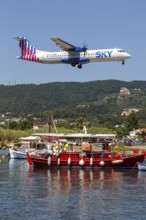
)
(141, 166)
(84, 160)
(28, 145)
(17, 154)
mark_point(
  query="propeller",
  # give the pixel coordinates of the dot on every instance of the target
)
(85, 49)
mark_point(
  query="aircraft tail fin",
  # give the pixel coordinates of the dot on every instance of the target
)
(28, 52)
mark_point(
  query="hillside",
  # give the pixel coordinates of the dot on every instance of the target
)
(95, 97)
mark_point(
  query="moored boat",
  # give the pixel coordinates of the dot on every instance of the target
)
(17, 154)
(84, 160)
(29, 144)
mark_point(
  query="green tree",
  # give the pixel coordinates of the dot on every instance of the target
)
(80, 123)
(13, 125)
(131, 122)
(122, 132)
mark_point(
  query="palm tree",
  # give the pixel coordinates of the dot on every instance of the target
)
(80, 123)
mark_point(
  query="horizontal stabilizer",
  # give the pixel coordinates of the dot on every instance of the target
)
(20, 38)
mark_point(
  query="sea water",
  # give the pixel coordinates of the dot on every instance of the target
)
(28, 193)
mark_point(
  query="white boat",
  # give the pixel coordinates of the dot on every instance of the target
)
(14, 154)
(28, 145)
(141, 166)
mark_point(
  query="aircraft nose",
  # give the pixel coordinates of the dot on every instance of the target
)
(128, 55)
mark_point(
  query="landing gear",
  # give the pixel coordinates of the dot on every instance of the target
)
(123, 62)
(80, 66)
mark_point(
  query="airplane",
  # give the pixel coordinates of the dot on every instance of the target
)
(75, 56)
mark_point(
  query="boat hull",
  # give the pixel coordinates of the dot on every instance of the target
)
(73, 160)
(17, 154)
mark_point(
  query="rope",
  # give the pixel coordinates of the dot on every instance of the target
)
(19, 164)
(133, 168)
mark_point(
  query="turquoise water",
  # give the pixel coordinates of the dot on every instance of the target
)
(42, 194)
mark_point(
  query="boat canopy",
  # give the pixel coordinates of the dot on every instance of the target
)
(30, 138)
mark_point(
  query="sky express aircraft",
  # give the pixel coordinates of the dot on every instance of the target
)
(70, 55)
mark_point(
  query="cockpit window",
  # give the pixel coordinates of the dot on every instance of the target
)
(121, 51)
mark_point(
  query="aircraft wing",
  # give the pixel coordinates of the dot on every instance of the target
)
(63, 45)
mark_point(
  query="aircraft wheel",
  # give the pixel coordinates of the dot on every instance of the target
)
(73, 64)
(123, 62)
(79, 66)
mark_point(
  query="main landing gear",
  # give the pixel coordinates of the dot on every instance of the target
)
(79, 65)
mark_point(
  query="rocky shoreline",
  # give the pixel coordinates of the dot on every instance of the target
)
(4, 147)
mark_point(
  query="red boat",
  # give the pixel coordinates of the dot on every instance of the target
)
(85, 160)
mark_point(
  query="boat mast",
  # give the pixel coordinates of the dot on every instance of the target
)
(51, 120)
(54, 123)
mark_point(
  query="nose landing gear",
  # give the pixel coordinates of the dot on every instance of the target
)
(123, 62)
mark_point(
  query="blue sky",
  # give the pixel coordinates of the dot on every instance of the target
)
(98, 24)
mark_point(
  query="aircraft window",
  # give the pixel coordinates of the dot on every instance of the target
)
(121, 51)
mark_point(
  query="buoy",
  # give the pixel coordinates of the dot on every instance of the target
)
(58, 161)
(49, 160)
(69, 161)
(101, 163)
(91, 161)
(117, 156)
(81, 162)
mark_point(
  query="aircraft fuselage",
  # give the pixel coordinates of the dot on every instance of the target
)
(103, 55)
